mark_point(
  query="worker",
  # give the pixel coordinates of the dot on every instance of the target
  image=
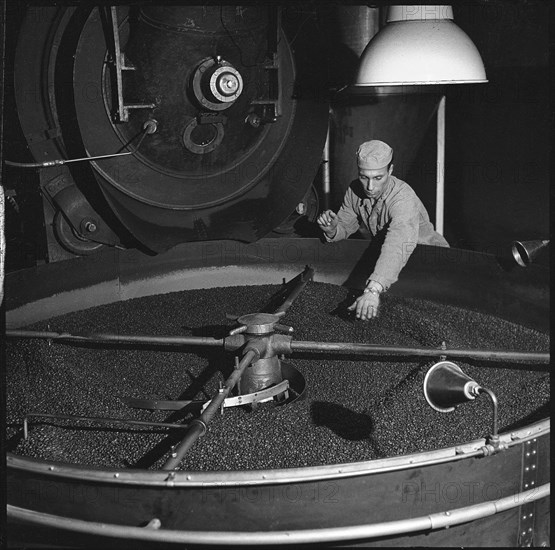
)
(390, 210)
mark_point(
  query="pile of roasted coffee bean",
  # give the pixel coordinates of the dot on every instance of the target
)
(353, 409)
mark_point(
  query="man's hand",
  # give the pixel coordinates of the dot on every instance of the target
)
(328, 221)
(366, 306)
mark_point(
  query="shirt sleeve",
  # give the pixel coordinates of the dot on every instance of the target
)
(348, 218)
(399, 243)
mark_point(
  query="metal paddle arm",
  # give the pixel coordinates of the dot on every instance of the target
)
(285, 343)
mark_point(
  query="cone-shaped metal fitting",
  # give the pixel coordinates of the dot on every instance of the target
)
(446, 386)
(524, 252)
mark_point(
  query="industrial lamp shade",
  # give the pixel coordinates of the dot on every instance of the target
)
(446, 386)
(420, 45)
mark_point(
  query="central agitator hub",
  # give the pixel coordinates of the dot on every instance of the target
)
(259, 330)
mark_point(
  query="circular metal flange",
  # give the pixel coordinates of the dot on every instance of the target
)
(259, 323)
(216, 84)
(204, 146)
(226, 84)
(71, 239)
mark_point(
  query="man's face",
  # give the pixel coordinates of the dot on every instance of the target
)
(374, 181)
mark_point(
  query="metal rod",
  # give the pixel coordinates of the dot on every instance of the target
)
(304, 277)
(60, 162)
(326, 189)
(345, 533)
(118, 338)
(199, 425)
(117, 62)
(296, 345)
(2, 234)
(440, 183)
(99, 420)
(372, 349)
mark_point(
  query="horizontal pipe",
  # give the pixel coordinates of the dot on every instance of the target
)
(296, 345)
(117, 338)
(440, 520)
(372, 349)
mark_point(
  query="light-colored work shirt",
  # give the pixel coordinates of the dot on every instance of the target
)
(400, 214)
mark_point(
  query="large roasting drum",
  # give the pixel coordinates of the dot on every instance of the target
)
(225, 120)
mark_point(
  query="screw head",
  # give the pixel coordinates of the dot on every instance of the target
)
(228, 84)
(254, 120)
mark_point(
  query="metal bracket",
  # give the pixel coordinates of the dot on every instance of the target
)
(271, 105)
(529, 479)
(121, 64)
(257, 397)
(173, 405)
(59, 182)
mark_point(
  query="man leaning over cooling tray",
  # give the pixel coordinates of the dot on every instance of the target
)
(389, 208)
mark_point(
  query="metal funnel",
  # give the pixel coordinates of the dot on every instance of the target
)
(524, 252)
(446, 386)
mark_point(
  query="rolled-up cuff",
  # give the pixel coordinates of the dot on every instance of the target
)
(379, 279)
(371, 280)
(331, 239)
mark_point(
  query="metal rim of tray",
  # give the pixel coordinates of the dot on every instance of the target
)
(187, 478)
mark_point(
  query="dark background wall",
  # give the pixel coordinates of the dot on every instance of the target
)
(498, 141)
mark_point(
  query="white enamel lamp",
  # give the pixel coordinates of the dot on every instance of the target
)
(421, 46)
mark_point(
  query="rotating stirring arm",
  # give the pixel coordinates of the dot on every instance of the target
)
(199, 425)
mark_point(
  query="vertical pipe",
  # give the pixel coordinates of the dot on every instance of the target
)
(440, 181)
(2, 239)
(326, 189)
(494, 404)
(2, 195)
